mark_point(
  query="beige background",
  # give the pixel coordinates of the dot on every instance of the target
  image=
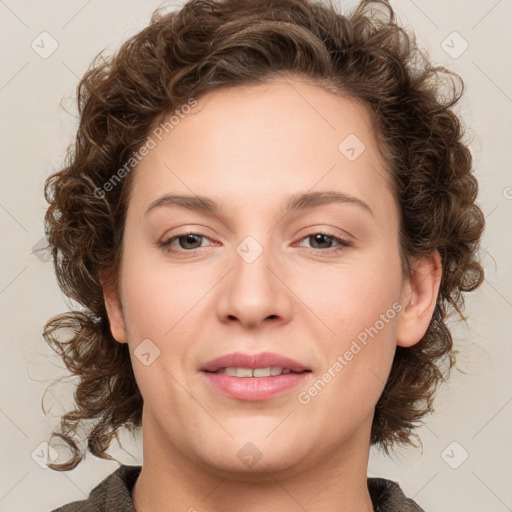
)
(474, 410)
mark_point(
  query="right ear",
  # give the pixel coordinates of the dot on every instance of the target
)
(113, 306)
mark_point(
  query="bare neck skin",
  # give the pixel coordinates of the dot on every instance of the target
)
(171, 482)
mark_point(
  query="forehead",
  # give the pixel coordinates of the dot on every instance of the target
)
(254, 141)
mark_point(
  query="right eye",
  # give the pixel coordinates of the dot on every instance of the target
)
(183, 239)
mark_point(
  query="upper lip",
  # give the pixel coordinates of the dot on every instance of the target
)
(261, 360)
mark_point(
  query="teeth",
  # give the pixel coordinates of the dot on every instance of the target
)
(257, 372)
(243, 372)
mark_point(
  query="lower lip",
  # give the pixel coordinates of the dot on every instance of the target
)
(253, 389)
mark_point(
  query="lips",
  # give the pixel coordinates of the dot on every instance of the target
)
(253, 361)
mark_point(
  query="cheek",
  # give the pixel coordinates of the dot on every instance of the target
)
(360, 304)
(166, 305)
(155, 296)
(156, 314)
(356, 370)
(352, 296)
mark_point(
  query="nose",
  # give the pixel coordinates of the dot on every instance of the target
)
(254, 291)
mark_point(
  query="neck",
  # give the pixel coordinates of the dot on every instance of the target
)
(171, 481)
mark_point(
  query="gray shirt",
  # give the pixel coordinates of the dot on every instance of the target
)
(113, 494)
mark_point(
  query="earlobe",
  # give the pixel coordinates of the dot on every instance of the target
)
(419, 299)
(113, 307)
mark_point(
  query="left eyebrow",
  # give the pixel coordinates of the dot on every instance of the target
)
(296, 202)
(312, 199)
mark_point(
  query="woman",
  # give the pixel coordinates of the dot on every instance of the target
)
(268, 215)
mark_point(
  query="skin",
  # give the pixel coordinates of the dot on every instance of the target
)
(250, 149)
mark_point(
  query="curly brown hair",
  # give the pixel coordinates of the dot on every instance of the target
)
(210, 44)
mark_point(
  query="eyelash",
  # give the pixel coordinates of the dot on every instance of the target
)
(343, 243)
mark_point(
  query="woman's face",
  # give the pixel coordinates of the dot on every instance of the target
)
(259, 277)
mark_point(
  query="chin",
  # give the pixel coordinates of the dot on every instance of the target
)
(251, 458)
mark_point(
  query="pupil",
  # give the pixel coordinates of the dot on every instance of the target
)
(190, 238)
(318, 238)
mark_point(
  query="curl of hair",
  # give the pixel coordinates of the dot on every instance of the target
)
(210, 44)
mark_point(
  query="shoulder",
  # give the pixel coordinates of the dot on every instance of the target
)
(112, 494)
(387, 496)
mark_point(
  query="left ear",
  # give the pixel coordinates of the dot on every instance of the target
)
(419, 298)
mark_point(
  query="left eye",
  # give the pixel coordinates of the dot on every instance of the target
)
(319, 238)
(185, 240)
